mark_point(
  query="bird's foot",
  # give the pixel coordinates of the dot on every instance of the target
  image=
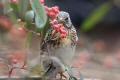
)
(62, 76)
(70, 73)
(73, 78)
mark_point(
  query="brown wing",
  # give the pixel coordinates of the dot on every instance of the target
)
(50, 39)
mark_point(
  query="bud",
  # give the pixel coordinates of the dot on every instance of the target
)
(55, 9)
(63, 31)
(15, 61)
(19, 20)
(49, 9)
(25, 67)
(55, 26)
(46, 8)
(56, 31)
(62, 35)
(52, 14)
(62, 28)
(42, 1)
(55, 22)
(14, 1)
(51, 23)
(47, 13)
(60, 25)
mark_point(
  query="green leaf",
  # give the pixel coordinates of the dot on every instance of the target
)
(9, 11)
(29, 16)
(7, 8)
(96, 16)
(22, 7)
(45, 30)
(41, 18)
(14, 7)
(38, 22)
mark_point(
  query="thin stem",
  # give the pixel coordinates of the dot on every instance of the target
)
(10, 72)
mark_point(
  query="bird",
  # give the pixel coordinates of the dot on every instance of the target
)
(57, 53)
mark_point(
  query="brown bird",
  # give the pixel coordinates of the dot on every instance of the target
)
(57, 53)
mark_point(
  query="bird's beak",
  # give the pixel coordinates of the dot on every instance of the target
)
(62, 20)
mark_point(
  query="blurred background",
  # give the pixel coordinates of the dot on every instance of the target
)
(98, 26)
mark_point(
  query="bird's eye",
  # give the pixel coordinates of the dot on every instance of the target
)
(66, 19)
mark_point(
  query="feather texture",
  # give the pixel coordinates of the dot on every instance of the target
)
(61, 48)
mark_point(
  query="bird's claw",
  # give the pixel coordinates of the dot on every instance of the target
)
(73, 78)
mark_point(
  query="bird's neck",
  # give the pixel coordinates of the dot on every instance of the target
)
(68, 26)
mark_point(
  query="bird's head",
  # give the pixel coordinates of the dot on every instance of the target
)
(64, 18)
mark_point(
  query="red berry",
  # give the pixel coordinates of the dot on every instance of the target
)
(52, 14)
(63, 31)
(55, 9)
(56, 31)
(15, 61)
(49, 9)
(42, 1)
(25, 67)
(47, 13)
(51, 23)
(14, 1)
(46, 8)
(62, 35)
(55, 22)
(20, 28)
(19, 20)
(62, 28)
(55, 26)
(59, 25)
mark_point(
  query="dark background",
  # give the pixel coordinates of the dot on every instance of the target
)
(80, 9)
